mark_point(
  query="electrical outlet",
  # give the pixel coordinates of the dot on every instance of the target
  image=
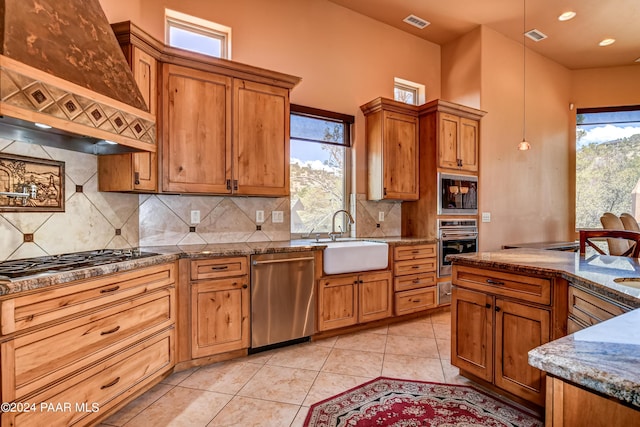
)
(277, 216)
(259, 216)
(486, 216)
(195, 217)
(381, 216)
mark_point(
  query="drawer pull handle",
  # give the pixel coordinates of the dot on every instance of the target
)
(416, 300)
(416, 281)
(106, 291)
(494, 282)
(415, 266)
(110, 331)
(220, 267)
(415, 252)
(111, 384)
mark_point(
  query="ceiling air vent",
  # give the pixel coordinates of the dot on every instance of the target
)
(416, 22)
(535, 35)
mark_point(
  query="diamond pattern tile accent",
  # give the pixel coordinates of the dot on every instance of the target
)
(25, 92)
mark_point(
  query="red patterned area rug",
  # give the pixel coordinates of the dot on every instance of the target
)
(404, 403)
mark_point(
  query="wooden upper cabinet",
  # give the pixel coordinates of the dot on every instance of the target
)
(196, 131)
(260, 139)
(223, 126)
(135, 172)
(392, 150)
(457, 143)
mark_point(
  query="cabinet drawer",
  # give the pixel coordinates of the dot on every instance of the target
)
(591, 309)
(218, 268)
(52, 304)
(414, 281)
(105, 385)
(424, 265)
(526, 288)
(416, 300)
(44, 356)
(403, 253)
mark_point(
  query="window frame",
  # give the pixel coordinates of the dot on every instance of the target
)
(213, 30)
(593, 110)
(419, 90)
(348, 122)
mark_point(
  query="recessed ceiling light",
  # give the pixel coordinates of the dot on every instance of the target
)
(567, 15)
(42, 126)
(607, 42)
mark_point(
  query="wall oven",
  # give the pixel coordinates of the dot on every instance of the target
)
(455, 237)
(457, 194)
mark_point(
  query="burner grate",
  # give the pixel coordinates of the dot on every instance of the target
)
(67, 262)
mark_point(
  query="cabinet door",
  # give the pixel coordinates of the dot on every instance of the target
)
(400, 142)
(468, 147)
(520, 328)
(448, 129)
(196, 137)
(472, 332)
(375, 295)
(337, 302)
(260, 139)
(219, 316)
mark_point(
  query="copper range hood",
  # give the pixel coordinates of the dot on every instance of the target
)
(61, 66)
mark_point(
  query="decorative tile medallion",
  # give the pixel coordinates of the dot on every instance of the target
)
(28, 184)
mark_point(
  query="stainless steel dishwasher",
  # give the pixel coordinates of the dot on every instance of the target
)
(282, 298)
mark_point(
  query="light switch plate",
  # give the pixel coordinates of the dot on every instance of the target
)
(486, 216)
(195, 217)
(259, 216)
(277, 216)
(381, 216)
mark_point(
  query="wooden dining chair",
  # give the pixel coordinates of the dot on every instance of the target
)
(617, 246)
(629, 222)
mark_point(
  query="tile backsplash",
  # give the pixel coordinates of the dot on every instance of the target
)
(96, 220)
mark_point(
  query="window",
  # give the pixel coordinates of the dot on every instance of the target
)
(320, 172)
(197, 35)
(408, 92)
(607, 163)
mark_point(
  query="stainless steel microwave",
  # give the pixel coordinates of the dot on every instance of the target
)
(457, 194)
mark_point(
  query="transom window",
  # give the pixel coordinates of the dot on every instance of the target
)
(607, 163)
(408, 92)
(197, 35)
(320, 172)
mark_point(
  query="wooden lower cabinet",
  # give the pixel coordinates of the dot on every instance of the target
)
(347, 300)
(414, 283)
(491, 334)
(77, 351)
(220, 306)
(572, 406)
(220, 316)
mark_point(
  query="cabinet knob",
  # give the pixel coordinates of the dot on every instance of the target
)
(136, 178)
(245, 286)
(487, 305)
(497, 308)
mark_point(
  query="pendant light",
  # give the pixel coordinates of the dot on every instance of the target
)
(524, 145)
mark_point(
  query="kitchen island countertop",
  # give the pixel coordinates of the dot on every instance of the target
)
(603, 357)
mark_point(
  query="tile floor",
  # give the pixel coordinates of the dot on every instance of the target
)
(276, 388)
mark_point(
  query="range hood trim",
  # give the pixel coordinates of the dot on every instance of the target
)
(8, 66)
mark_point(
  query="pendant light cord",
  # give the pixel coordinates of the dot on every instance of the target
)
(524, 71)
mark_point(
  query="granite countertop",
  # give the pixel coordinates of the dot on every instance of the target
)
(172, 253)
(604, 357)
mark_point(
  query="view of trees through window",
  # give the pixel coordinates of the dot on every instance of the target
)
(318, 172)
(607, 164)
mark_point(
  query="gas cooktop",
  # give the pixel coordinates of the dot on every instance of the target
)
(67, 262)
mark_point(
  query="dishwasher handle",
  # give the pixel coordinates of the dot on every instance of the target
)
(277, 261)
